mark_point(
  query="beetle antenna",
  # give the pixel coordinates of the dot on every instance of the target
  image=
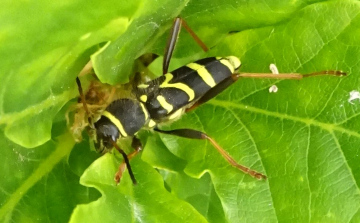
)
(83, 101)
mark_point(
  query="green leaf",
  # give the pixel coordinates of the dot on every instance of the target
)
(304, 138)
(148, 201)
(199, 193)
(114, 62)
(39, 180)
(42, 53)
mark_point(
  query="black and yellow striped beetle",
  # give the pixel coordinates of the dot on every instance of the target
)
(168, 97)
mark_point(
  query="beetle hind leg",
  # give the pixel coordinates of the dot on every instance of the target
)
(194, 134)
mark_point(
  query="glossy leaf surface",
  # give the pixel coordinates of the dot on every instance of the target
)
(304, 138)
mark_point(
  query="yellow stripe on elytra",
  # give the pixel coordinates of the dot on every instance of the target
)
(116, 122)
(227, 64)
(203, 73)
(144, 111)
(168, 107)
(190, 92)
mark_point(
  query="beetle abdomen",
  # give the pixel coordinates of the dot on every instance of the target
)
(179, 88)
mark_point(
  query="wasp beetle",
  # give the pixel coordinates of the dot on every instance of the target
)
(169, 96)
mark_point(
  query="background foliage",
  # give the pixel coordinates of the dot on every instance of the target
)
(305, 137)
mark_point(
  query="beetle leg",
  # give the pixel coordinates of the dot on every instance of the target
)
(172, 39)
(194, 134)
(234, 77)
(136, 144)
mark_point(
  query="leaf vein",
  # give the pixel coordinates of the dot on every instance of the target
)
(308, 121)
(257, 150)
(346, 163)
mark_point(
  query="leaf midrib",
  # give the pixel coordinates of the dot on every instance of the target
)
(307, 121)
(63, 148)
(331, 128)
(47, 103)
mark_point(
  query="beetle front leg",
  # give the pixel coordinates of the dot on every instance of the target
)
(136, 144)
